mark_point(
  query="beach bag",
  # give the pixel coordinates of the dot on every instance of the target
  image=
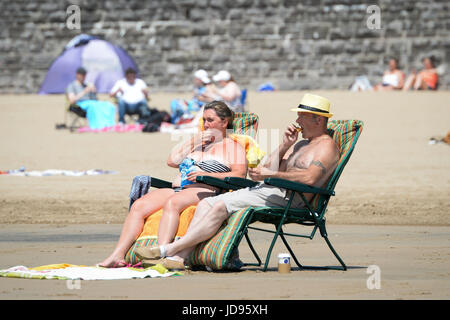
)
(155, 117)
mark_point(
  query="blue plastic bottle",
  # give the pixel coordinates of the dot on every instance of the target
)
(188, 165)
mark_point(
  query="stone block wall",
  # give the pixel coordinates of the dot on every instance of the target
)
(307, 44)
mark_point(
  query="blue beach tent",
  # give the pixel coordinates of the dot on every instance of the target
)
(105, 64)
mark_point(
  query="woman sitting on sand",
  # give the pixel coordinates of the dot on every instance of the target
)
(227, 90)
(393, 78)
(210, 153)
(426, 79)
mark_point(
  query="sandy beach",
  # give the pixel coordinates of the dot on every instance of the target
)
(392, 204)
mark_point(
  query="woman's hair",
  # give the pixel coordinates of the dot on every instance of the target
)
(395, 59)
(222, 111)
(432, 60)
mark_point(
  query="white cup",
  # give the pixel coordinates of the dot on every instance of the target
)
(284, 263)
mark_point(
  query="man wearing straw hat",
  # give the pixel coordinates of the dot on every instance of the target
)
(310, 161)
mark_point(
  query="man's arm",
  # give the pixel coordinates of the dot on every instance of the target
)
(73, 98)
(277, 159)
(115, 89)
(145, 89)
(324, 162)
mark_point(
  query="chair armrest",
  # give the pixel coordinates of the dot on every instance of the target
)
(216, 182)
(158, 183)
(296, 186)
(240, 182)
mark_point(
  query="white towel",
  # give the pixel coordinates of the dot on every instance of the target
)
(85, 273)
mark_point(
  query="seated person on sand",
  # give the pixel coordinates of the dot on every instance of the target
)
(132, 96)
(393, 78)
(310, 161)
(227, 90)
(100, 114)
(186, 109)
(209, 153)
(426, 79)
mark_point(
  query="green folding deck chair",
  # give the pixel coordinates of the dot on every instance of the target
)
(346, 134)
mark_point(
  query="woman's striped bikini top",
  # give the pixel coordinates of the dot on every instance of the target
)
(212, 166)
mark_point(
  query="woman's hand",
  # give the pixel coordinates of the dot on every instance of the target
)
(204, 138)
(260, 173)
(192, 176)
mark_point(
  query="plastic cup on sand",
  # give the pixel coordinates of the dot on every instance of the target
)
(284, 263)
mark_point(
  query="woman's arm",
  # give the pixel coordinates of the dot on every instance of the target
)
(229, 92)
(180, 152)
(239, 171)
(236, 156)
(401, 80)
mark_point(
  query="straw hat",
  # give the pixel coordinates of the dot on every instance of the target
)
(314, 104)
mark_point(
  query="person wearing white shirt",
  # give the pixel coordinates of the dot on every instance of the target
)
(132, 96)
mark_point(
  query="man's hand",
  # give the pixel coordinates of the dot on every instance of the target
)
(260, 173)
(290, 136)
(90, 88)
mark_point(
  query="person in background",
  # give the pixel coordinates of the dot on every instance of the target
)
(427, 79)
(132, 96)
(100, 114)
(203, 93)
(228, 91)
(393, 78)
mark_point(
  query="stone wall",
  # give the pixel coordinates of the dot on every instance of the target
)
(294, 44)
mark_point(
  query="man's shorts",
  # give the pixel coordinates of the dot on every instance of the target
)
(262, 195)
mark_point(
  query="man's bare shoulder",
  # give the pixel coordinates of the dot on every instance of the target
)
(328, 148)
(328, 141)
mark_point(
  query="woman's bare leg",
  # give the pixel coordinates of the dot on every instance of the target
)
(420, 84)
(206, 222)
(409, 82)
(134, 222)
(173, 208)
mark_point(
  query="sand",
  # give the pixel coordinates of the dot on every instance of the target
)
(392, 204)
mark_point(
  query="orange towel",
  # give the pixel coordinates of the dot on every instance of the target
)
(151, 224)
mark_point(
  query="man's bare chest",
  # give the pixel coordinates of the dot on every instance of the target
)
(301, 158)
